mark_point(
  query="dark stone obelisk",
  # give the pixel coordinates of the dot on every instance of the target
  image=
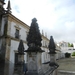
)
(34, 49)
(52, 49)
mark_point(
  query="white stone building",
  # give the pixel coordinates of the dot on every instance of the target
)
(12, 30)
(65, 49)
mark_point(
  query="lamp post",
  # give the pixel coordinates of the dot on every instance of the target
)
(52, 53)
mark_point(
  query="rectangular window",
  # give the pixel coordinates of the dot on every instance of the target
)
(17, 34)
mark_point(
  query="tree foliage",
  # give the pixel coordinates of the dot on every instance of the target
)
(70, 45)
(73, 54)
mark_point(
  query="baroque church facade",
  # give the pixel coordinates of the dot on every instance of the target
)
(12, 30)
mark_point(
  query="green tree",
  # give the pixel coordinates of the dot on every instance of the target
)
(68, 44)
(71, 45)
(73, 54)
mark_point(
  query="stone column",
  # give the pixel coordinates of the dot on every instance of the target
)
(52, 60)
(34, 63)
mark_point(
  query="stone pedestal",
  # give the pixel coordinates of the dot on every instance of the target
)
(52, 58)
(34, 63)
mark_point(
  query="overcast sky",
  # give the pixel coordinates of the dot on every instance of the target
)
(55, 17)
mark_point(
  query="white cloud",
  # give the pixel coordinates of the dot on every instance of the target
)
(56, 17)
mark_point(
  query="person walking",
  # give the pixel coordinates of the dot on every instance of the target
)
(24, 68)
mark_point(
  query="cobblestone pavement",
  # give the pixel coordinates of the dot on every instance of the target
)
(66, 64)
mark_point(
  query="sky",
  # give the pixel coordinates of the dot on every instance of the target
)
(55, 17)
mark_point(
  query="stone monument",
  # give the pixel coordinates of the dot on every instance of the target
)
(52, 53)
(34, 49)
(19, 64)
